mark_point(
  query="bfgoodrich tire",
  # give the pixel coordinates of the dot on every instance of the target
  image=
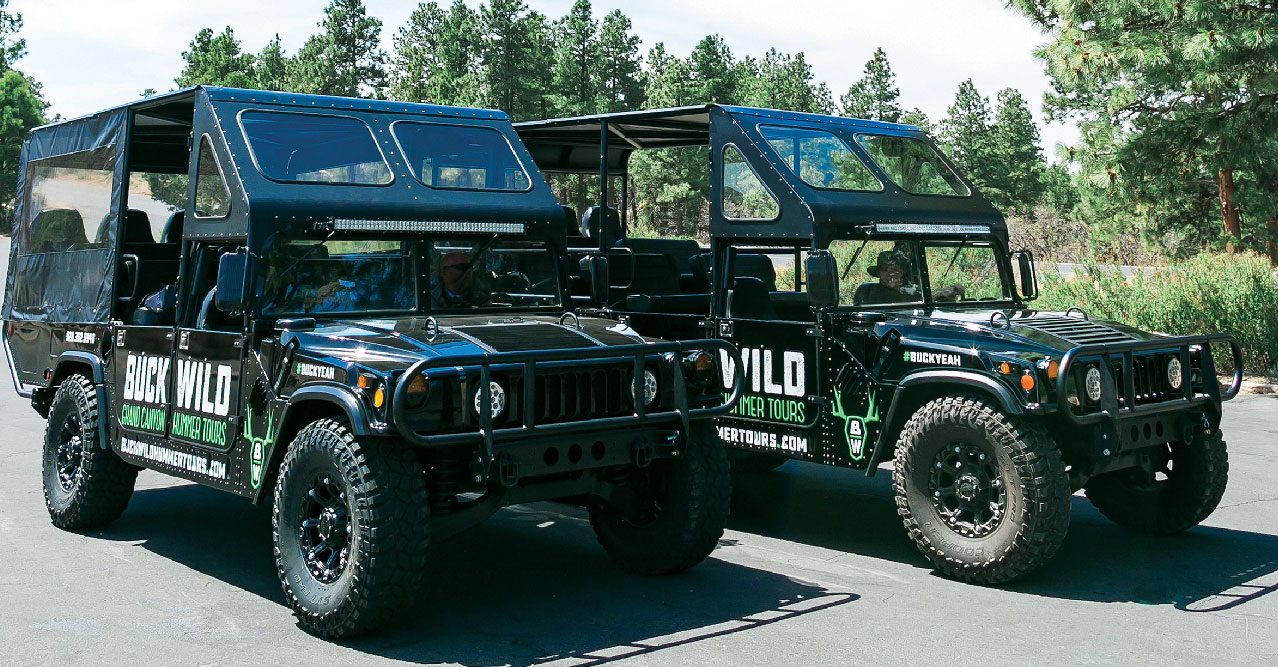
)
(85, 484)
(351, 530)
(984, 496)
(675, 509)
(1183, 487)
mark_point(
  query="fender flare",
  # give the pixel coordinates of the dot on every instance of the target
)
(963, 378)
(356, 415)
(94, 362)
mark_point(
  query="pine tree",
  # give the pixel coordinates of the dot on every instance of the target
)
(1176, 103)
(516, 57)
(270, 68)
(1016, 161)
(346, 58)
(966, 137)
(216, 60)
(621, 80)
(784, 81)
(715, 72)
(875, 95)
(576, 68)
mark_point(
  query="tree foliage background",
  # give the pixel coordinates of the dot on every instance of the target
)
(1175, 100)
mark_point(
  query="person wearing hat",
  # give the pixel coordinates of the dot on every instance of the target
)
(890, 270)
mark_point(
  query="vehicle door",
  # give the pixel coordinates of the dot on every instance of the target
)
(776, 330)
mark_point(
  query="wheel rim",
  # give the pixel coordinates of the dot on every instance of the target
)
(325, 530)
(69, 457)
(967, 490)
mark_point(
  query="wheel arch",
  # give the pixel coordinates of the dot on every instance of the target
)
(305, 406)
(69, 363)
(917, 389)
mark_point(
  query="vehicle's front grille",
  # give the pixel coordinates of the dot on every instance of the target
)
(560, 396)
(1078, 331)
(1148, 382)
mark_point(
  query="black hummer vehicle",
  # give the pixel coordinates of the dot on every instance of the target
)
(355, 310)
(875, 302)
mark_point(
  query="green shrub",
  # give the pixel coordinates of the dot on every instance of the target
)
(1211, 293)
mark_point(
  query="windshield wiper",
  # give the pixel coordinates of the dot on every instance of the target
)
(852, 261)
(954, 259)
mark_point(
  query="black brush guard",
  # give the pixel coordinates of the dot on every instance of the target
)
(1105, 354)
(639, 356)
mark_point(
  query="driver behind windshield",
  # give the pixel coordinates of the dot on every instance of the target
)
(456, 284)
(890, 269)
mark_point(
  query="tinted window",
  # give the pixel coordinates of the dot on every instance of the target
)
(820, 158)
(69, 205)
(460, 157)
(878, 273)
(492, 273)
(345, 276)
(311, 148)
(211, 198)
(914, 165)
(964, 272)
(744, 195)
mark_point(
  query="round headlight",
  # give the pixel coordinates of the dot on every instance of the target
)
(649, 387)
(1092, 383)
(1175, 374)
(497, 399)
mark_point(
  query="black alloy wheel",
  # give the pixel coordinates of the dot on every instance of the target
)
(69, 457)
(324, 533)
(967, 490)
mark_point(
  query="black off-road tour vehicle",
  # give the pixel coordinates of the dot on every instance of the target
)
(356, 310)
(881, 316)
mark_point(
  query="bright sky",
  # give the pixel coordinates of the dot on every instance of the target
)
(91, 55)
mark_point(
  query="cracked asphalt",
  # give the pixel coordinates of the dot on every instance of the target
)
(815, 569)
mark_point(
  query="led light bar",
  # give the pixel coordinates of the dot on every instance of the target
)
(352, 225)
(916, 228)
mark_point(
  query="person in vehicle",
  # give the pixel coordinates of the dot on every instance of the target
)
(891, 288)
(456, 285)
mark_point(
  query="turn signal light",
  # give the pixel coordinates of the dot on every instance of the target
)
(704, 362)
(1053, 369)
(379, 397)
(1005, 368)
(1027, 381)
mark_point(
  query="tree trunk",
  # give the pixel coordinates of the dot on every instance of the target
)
(1271, 243)
(1229, 209)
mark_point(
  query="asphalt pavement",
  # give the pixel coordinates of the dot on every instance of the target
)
(815, 569)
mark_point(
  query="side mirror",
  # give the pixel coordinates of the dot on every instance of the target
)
(232, 281)
(596, 269)
(1029, 280)
(823, 279)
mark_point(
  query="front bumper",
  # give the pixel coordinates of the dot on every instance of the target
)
(1137, 424)
(641, 425)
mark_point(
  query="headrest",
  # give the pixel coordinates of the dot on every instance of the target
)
(594, 217)
(137, 227)
(173, 228)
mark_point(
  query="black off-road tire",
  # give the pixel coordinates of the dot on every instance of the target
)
(694, 492)
(381, 488)
(754, 462)
(1034, 487)
(1194, 482)
(86, 485)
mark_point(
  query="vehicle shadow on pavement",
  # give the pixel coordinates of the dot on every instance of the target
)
(528, 587)
(1202, 570)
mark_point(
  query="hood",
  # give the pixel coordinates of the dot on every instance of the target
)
(1027, 330)
(385, 344)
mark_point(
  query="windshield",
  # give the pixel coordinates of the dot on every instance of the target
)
(314, 148)
(913, 165)
(461, 157)
(889, 273)
(338, 276)
(492, 273)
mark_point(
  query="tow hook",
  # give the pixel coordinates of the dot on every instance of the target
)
(643, 454)
(507, 470)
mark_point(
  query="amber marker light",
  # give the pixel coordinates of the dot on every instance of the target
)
(379, 397)
(1053, 369)
(1027, 381)
(364, 381)
(1005, 368)
(704, 362)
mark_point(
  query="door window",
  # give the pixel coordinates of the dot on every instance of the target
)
(744, 195)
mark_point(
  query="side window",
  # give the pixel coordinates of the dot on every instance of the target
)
(821, 159)
(744, 195)
(212, 200)
(69, 201)
(914, 165)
